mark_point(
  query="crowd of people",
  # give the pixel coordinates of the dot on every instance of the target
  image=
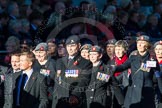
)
(51, 56)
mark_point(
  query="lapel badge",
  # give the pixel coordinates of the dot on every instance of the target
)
(72, 41)
(41, 48)
(160, 42)
(142, 38)
(75, 63)
(93, 49)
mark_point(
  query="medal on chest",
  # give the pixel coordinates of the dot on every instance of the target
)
(71, 73)
(144, 67)
(103, 77)
(45, 72)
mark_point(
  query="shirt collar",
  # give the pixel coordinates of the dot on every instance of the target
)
(28, 73)
(71, 57)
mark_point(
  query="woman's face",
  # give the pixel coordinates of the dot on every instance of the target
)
(85, 54)
(158, 51)
(142, 46)
(51, 48)
(119, 51)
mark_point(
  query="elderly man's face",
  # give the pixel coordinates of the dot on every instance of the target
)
(72, 49)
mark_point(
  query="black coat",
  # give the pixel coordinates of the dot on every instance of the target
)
(140, 93)
(97, 90)
(71, 86)
(34, 94)
(49, 66)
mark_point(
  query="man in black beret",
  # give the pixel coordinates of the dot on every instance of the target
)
(72, 77)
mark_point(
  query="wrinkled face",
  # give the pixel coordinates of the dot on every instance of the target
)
(158, 51)
(119, 51)
(15, 62)
(51, 48)
(72, 49)
(41, 55)
(85, 54)
(142, 45)
(94, 57)
(110, 49)
(25, 63)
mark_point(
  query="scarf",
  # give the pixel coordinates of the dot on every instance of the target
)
(119, 62)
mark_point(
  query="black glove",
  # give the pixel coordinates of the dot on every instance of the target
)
(112, 69)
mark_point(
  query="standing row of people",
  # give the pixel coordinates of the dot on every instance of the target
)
(86, 79)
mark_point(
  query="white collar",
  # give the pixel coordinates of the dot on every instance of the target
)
(71, 57)
(28, 73)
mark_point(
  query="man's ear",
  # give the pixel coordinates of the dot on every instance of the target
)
(100, 56)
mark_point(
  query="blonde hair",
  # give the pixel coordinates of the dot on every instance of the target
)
(30, 55)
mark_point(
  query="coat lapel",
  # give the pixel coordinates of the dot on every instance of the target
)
(31, 81)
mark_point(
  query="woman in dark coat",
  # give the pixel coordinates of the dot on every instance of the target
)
(158, 93)
(98, 92)
(140, 92)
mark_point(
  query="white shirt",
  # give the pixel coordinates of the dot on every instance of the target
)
(71, 57)
(28, 73)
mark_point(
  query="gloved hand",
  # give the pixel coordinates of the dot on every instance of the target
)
(112, 69)
(73, 101)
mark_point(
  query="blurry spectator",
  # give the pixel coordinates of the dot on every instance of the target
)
(110, 9)
(108, 20)
(60, 7)
(3, 4)
(52, 48)
(158, 10)
(132, 24)
(15, 28)
(25, 11)
(13, 10)
(112, 2)
(35, 19)
(152, 28)
(26, 45)
(4, 20)
(61, 48)
(85, 51)
(25, 27)
(136, 5)
(77, 29)
(126, 5)
(147, 6)
(12, 45)
(119, 26)
(142, 20)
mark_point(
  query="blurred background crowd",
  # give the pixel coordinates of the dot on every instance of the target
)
(26, 23)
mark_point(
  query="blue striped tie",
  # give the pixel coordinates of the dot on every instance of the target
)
(21, 83)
